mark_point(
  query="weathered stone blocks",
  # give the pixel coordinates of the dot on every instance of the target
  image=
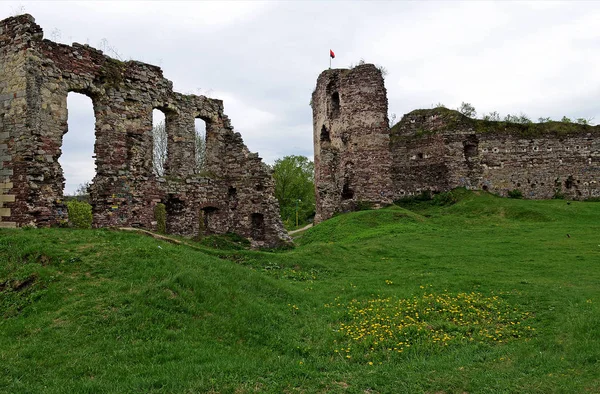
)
(359, 159)
(440, 149)
(351, 140)
(36, 76)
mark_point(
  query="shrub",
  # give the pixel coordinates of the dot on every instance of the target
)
(80, 214)
(426, 197)
(160, 215)
(444, 199)
(467, 109)
(363, 205)
(515, 193)
(492, 117)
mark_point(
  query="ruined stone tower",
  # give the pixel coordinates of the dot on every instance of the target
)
(360, 161)
(233, 193)
(351, 141)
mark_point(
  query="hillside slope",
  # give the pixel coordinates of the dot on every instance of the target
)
(483, 295)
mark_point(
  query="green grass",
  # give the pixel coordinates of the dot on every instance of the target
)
(107, 311)
(454, 120)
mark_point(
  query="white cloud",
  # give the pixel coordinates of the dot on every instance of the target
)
(263, 59)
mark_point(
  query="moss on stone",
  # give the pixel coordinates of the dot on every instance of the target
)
(160, 215)
(111, 72)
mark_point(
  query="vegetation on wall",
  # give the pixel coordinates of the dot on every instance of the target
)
(160, 216)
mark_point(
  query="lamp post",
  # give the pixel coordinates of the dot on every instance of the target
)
(297, 201)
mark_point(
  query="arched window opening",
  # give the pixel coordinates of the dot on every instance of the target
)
(325, 137)
(199, 144)
(258, 226)
(77, 157)
(335, 105)
(159, 142)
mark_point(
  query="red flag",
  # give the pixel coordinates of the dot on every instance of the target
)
(331, 54)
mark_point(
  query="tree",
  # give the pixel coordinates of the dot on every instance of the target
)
(467, 110)
(82, 193)
(294, 184)
(159, 149)
(83, 190)
(200, 150)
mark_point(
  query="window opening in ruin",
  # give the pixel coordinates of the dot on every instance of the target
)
(420, 155)
(258, 226)
(335, 105)
(347, 192)
(77, 158)
(232, 192)
(207, 218)
(569, 182)
(470, 150)
(325, 134)
(199, 144)
(159, 142)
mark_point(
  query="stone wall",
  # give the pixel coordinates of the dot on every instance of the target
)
(441, 149)
(234, 193)
(359, 159)
(351, 141)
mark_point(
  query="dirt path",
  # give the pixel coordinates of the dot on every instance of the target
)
(300, 229)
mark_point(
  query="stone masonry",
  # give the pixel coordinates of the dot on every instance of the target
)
(440, 149)
(351, 141)
(233, 193)
(359, 160)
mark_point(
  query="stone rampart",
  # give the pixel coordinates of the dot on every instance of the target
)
(440, 149)
(360, 161)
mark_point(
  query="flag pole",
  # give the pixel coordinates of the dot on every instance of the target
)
(331, 56)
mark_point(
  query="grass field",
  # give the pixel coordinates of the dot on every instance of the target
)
(487, 295)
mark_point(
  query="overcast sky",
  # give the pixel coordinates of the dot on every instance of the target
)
(263, 59)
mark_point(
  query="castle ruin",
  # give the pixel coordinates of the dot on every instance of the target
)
(233, 193)
(360, 160)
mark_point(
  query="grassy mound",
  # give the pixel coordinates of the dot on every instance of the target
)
(475, 294)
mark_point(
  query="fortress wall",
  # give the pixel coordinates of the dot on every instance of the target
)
(440, 149)
(234, 192)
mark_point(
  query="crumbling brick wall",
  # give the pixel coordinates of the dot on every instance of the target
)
(235, 193)
(351, 140)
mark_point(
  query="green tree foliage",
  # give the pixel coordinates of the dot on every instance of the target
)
(467, 110)
(294, 184)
